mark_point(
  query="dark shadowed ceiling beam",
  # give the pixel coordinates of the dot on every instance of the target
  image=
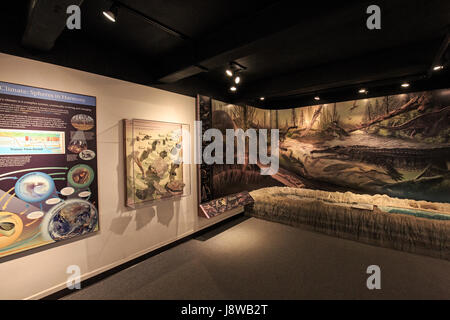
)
(46, 21)
(440, 55)
(233, 40)
(389, 63)
(157, 24)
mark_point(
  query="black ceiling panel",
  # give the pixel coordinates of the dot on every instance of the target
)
(290, 49)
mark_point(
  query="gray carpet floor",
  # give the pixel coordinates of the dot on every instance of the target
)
(249, 258)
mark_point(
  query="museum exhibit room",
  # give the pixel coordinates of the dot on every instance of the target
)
(224, 150)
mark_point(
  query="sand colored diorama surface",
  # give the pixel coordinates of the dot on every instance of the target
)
(414, 226)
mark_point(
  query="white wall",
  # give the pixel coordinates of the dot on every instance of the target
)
(124, 234)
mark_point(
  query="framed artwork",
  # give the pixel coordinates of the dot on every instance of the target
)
(156, 161)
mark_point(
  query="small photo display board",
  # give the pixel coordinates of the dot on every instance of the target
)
(215, 207)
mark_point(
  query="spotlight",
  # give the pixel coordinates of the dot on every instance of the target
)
(233, 88)
(229, 72)
(405, 85)
(317, 98)
(436, 68)
(111, 14)
(237, 79)
(262, 98)
(362, 90)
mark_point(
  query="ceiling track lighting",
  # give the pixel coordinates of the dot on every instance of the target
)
(261, 98)
(362, 90)
(317, 98)
(437, 68)
(405, 85)
(233, 72)
(112, 13)
(234, 69)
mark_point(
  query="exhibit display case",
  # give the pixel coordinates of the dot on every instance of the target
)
(157, 157)
(392, 150)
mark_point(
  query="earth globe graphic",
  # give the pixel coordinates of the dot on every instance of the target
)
(71, 218)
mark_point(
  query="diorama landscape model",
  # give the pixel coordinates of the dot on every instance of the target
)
(395, 146)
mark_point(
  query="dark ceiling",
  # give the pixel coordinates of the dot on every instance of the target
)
(290, 51)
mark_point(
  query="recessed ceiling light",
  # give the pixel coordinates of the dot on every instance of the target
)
(362, 90)
(262, 98)
(237, 79)
(233, 88)
(405, 85)
(229, 72)
(436, 68)
(317, 98)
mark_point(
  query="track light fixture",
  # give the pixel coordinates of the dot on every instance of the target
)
(405, 85)
(233, 72)
(317, 98)
(362, 90)
(112, 13)
(262, 98)
(437, 68)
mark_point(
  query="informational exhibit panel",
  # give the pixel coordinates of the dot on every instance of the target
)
(48, 167)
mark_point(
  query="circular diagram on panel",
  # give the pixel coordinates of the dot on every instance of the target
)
(80, 176)
(87, 155)
(11, 227)
(82, 122)
(70, 219)
(34, 187)
(77, 146)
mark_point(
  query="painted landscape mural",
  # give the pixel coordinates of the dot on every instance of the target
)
(396, 145)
